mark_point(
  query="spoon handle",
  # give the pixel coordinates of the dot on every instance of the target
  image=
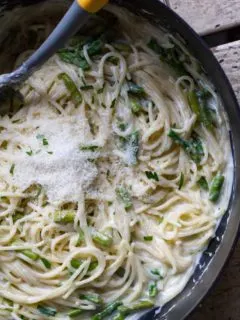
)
(75, 17)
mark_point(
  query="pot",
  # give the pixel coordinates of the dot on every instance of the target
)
(220, 248)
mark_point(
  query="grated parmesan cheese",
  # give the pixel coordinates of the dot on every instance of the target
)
(55, 161)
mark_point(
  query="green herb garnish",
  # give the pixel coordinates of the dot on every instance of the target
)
(152, 290)
(47, 311)
(12, 169)
(192, 147)
(148, 238)
(181, 181)
(152, 175)
(43, 138)
(202, 182)
(46, 263)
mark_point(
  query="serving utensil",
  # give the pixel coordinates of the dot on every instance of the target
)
(75, 17)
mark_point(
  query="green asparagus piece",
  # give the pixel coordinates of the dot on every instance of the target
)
(74, 313)
(93, 297)
(30, 254)
(72, 88)
(76, 263)
(102, 239)
(215, 188)
(152, 290)
(64, 216)
(107, 311)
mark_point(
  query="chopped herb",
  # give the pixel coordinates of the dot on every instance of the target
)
(72, 88)
(47, 311)
(89, 148)
(173, 56)
(74, 313)
(181, 181)
(113, 103)
(100, 90)
(192, 147)
(12, 169)
(17, 216)
(64, 216)
(74, 54)
(113, 60)
(148, 238)
(46, 263)
(122, 126)
(92, 297)
(50, 152)
(215, 187)
(135, 105)
(102, 239)
(86, 87)
(135, 89)
(43, 138)
(107, 311)
(30, 254)
(29, 153)
(156, 272)
(124, 195)
(152, 290)
(103, 105)
(202, 182)
(152, 175)
(16, 121)
(4, 145)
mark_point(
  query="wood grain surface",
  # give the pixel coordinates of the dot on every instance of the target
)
(207, 16)
(223, 301)
(229, 57)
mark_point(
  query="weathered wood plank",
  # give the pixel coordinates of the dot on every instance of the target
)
(223, 300)
(207, 16)
(228, 55)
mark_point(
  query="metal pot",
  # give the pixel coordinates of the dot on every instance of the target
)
(215, 257)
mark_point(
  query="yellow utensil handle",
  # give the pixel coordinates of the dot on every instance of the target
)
(92, 6)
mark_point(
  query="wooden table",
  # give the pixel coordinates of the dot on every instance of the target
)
(208, 17)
